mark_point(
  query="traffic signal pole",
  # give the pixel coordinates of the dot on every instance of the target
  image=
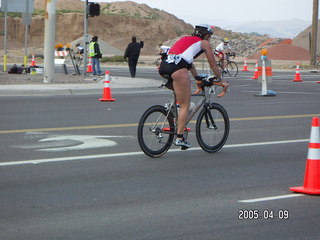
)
(85, 38)
(314, 34)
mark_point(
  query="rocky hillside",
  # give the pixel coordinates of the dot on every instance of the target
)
(117, 23)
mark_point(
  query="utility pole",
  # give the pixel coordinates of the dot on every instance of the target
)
(49, 40)
(314, 34)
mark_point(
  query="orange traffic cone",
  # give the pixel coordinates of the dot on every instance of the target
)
(106, 97)
(245, 67)
(255, 75)
(33, 61)
(89, 68)
(297, 77)
(312, 173)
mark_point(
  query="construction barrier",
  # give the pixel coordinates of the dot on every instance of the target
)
(61, 60)
(264, 76)
(312, 173)
(107, 96)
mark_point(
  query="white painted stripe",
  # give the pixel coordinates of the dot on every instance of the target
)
(77, 158)
(270, 198)
(314, 154)
(315, 134)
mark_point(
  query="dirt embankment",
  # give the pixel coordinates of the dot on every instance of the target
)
(117, 23)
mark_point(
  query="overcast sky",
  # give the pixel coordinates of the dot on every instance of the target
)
(226, 12)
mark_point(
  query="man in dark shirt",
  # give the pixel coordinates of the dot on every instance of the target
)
(132, 53)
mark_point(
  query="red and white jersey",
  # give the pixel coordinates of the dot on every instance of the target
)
(222, 47)
(187, 48)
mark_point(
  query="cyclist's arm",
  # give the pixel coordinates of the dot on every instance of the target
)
(205, 45)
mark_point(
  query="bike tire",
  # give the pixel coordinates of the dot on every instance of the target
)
(212, 138)
(156, 131)
(158, 62)
(78, 61)
(232, 69)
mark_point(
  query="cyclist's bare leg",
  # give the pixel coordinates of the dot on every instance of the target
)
(182, 89)
(221, 61)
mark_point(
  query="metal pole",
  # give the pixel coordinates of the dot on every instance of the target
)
(26, 37)
(314, 35)
(49, 40)
(5, 35)
(85, 38)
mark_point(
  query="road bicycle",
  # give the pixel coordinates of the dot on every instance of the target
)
(78, 58)
(158, 125)
(231, 67)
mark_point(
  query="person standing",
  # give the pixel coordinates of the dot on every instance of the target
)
(95, 55)
(132, 53)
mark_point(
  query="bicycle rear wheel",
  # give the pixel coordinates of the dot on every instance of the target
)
(212, 127)
(156, 131)
(232, 68)
(78, 61)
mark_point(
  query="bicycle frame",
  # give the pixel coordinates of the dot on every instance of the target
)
(171, 105)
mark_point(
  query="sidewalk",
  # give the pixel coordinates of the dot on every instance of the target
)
(26, 84)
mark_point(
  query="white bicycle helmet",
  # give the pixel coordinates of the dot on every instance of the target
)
(202, 29)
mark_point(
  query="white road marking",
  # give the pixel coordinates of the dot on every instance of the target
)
(58, 143)
(86, 142)
(270, 198)
(126, 154)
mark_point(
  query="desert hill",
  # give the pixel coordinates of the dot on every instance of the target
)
(302, 39)
(117, 23)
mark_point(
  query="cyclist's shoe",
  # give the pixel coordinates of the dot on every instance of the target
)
(182, 143)
(225, 89)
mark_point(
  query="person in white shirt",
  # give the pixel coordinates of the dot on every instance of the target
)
(223, 48)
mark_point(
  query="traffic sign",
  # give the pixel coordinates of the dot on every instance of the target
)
(17, 6)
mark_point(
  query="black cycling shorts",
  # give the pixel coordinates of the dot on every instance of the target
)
(167, 69)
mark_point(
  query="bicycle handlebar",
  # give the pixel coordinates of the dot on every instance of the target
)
(206, 80)
(231, 54)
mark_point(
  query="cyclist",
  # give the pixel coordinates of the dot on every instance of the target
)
(221, 50)
(80, 49)
(176, 66)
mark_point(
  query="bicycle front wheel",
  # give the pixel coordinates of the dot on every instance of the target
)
(212, 128)
(232, 69)
(156, 131)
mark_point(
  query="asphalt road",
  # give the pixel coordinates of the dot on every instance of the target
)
(71, 168)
